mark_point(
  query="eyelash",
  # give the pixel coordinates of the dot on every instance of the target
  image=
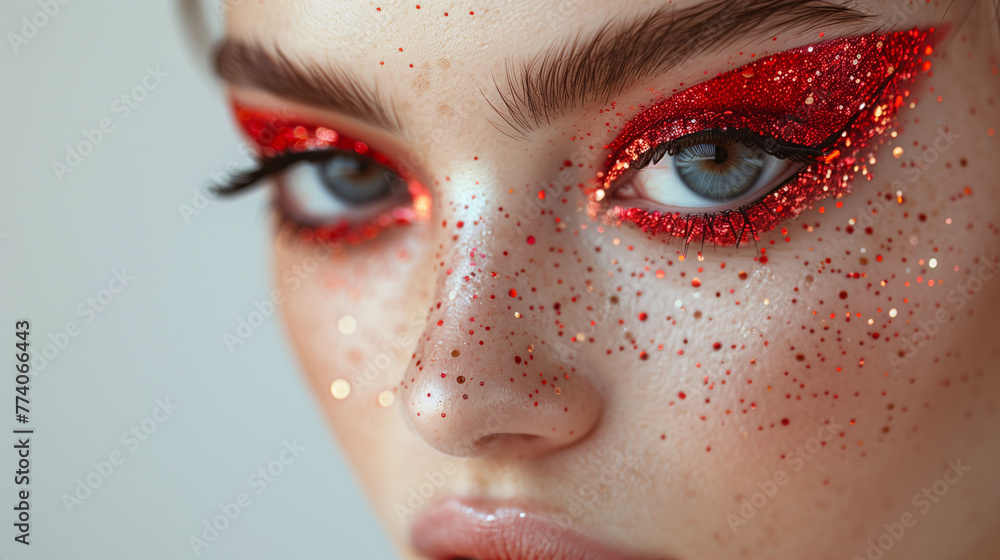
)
(282, 145)
(827, 171)
(770, 145)
(652, 134)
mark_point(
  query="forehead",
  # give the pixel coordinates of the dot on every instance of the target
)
(366, 30)
(419, 59)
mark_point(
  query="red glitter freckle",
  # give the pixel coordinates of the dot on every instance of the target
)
(784, 421)
(360, 147)
(717, 346)
(513, 293)
(696, 283)
(531, 240)
(681, 395)
(843, 295)
(643, 316)
(460, 224)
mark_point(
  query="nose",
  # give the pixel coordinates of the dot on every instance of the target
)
(491, 375)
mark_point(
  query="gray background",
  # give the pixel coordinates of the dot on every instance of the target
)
(161, 337)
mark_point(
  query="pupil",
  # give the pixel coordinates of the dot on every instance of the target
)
(354, 180)
(720, 154)
(720, 170)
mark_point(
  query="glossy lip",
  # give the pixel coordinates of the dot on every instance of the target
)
(483, 529)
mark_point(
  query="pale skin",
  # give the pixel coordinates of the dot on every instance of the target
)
(674, 470)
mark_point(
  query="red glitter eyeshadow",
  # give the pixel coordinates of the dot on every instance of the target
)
(273, 135)
(839, 96)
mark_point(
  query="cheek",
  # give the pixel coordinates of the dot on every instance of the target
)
(858, 327)
(353, 315)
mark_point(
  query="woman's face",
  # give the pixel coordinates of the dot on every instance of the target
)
(796, 358)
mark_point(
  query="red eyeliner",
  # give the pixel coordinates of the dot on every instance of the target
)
(840, 96)
(272, 135)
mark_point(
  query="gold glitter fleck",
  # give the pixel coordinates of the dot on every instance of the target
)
(385, 399)
(340, 389)
(347, 325)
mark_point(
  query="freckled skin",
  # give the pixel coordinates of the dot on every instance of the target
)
(710, 374)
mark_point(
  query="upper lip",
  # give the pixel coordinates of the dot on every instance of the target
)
(483, 529)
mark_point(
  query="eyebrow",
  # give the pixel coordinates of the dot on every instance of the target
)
(602, 66)
(538, 90)
(326, 86)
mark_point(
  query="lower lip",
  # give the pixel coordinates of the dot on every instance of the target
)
(491, 530)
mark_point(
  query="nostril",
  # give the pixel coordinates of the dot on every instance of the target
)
(501, 437)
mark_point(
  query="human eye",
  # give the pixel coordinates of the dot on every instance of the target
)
(328, 188)
(728, 160)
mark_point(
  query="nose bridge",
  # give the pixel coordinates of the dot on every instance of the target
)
(490, 372)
